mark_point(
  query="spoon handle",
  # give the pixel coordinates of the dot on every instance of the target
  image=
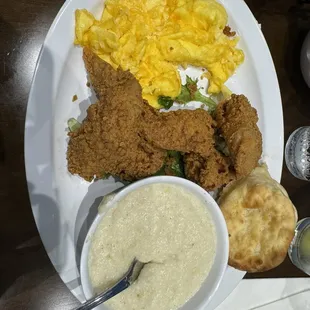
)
(104, 296)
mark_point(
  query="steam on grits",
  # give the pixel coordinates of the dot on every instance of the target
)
(152, 37)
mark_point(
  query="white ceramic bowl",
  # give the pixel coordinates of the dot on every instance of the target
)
(212, 282)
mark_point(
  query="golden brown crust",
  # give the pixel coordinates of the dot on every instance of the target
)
(105, 80)
(123, 136)
(210, 173)
(108, 143)
(183, 130)
(260, 219)
(237, 122)
(109, 140)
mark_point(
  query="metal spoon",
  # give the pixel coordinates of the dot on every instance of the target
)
(129, 277)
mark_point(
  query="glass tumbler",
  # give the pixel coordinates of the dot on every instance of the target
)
(299, 250)
(297, 153)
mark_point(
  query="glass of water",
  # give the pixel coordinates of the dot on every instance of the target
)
(299, 251)
(297, 153)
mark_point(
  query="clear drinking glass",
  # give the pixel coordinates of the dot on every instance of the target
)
(297, 153)
(299, 250)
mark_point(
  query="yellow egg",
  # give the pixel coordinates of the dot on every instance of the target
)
(152, 100)
(83, 21)
(151, 38)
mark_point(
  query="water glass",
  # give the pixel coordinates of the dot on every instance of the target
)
(297, 153)
(299, 250)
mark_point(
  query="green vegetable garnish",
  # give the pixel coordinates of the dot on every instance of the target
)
(165, 102)
(198, 96)
(73, 124)
(190, 92)
(177, 165)
(173, 165)
(184, 96)
(190, 81)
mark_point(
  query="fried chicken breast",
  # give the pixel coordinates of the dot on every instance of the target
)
(237, 123)
(110, 139)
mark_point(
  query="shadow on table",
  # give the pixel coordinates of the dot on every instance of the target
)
(300, 199)
(29, 257)
(298, 27)
(22, 253)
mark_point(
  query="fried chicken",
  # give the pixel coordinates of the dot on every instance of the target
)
(109, 82)
(183, 130)
(237, 123)
(109, 140)
(125, 137)
(210, 173)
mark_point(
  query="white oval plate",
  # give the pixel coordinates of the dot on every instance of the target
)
(64, 205)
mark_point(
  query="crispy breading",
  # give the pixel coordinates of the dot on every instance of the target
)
(183, 130)
(210, 173)
(123, 136)
(109, 140)
(237, 122)
(108, 82)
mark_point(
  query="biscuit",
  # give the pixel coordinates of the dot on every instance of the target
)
(260, 219)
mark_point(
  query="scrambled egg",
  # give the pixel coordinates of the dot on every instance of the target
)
(152, 37)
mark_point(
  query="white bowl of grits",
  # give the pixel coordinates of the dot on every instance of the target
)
(172, 224)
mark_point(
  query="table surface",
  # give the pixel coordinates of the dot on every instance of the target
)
(27, 278)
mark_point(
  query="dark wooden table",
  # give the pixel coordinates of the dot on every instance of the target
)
(27, 278)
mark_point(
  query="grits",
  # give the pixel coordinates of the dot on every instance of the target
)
(165, 225)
